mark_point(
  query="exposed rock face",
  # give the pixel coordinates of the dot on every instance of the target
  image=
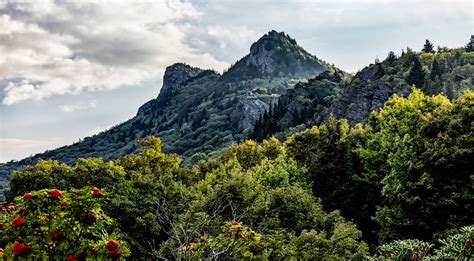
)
(306, 104)
(252, 108)
(177, 74)
(368, 91)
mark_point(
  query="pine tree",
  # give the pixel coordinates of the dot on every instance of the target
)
(435, 70)
(408, 57)
(428, 47)
(391, 57)
(417, 75)
(380, 71)
(470, 45)
(449, 91)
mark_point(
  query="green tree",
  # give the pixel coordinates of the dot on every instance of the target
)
(329, 152)
(436, 71)
(391, 57)
(428, 47)
(417, 74)
(470, 46)
(421, 149)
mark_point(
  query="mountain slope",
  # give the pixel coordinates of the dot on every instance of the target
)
(200, 111)
(306, 104)
(449, 71)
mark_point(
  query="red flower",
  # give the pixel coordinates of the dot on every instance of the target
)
(114, 253)
(89, 218)
(18, 222)
(21, 249)
(21, 211)
(27, 196)
(71, 258)
(17, 248)
(112, 244)
(55, 193)
(96, 193)
(234, 223)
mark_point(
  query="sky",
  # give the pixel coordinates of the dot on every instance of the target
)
(70, 69)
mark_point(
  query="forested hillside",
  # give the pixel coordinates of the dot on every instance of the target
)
(448, 71)
(198, 112)
(399, 187)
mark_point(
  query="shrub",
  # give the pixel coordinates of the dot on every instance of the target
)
(51, 224)
(458, 246)
(410, 249)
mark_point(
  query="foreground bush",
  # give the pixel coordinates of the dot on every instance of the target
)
(457, 246)
(410, 249)
(51, 224)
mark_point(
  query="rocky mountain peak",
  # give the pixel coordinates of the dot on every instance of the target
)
(271, 41)
(176, 74)
(277, 55)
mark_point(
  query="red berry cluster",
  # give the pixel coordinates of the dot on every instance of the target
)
(112, 246)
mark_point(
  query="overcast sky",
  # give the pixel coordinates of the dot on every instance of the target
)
(69, 69)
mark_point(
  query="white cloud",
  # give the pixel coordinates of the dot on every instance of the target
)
(13, 148)
(54, 48)
(78, 106)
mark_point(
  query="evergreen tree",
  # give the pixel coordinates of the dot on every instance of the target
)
(428, 47)
(417, 75)
(435, 70)
(391, 57)
(470, 45)
(380, 71)
(408, 57)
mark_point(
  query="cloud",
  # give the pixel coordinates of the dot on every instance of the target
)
(230, 42)
(78, 106)
(345, 32)
(54, 48)
(13, 148)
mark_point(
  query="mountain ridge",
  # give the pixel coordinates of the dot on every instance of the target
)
(197, 111)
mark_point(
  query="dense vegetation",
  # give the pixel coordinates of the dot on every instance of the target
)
(447, 71)
(398, 187)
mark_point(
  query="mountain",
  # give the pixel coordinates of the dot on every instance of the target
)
(198, 112)
(275, 55)
(447, 71)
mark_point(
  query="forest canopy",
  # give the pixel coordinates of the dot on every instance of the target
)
(398, 187)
